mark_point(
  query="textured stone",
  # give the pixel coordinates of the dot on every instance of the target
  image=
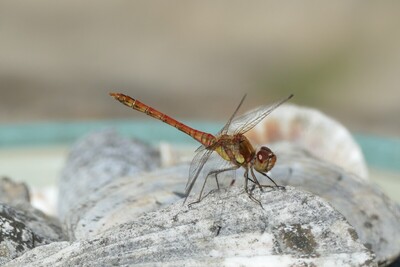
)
(375, 217)
(97, 160)
(125, 198)
(24, 229)
(225, 229)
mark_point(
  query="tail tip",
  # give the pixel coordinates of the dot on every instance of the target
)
(117, 96)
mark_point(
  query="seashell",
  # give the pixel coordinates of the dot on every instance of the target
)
(225, 229)
(314, 131)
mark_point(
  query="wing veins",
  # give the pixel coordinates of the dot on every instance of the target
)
(253, 117)
(224, 130)
(195, 168)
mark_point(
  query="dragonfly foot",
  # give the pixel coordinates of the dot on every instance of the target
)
(280, 187)
(250, 195)
(194, 202)
(200, 198)
(255, 200)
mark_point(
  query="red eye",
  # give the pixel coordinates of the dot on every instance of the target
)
(264, 154)
(260, 156)
(265, 160)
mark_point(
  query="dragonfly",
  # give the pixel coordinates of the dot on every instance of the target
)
(229, 143)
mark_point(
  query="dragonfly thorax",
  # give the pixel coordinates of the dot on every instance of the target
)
(235, 148)
(264, 159)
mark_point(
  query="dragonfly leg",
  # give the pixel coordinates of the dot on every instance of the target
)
(254, 184)
(246, 188)
(255, 200)
(214, 172)
(201, 192)
(255, 179)
(276, 185)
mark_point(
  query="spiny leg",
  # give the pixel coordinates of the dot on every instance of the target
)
(256, 181)
(276, 185)
(246, 181)
(253, 186)
(214, 172)
(195, 169)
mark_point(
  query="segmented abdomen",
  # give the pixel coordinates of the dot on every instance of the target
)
(204, 138)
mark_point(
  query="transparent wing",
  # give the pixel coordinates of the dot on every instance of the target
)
(196, 166)
(247, 121)
(206, 162)
(224, 130)
(200, 148)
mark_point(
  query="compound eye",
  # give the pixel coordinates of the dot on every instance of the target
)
(261, 156)
(264, 154)
(265, 159)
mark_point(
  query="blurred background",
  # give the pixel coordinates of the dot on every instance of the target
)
(58, 60)
(194, 61)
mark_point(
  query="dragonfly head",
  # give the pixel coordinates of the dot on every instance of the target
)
(265, 159)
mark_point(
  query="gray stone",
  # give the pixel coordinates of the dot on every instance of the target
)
(125, 198)
(23, 229)
(97, 160)
(375, 217)
(226, 228)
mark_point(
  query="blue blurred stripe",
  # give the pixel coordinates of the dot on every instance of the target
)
(49, 133)
(380, 152)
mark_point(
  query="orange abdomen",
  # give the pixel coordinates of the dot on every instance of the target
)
(204, 138)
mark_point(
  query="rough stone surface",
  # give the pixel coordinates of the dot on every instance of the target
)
(375, 217)
(95, 161)
(225, 229)
(24, 229)
(125, 198)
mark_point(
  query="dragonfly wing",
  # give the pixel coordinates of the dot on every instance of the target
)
(224, 130)
(247, 121)
(196, 166)
(200, 148)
